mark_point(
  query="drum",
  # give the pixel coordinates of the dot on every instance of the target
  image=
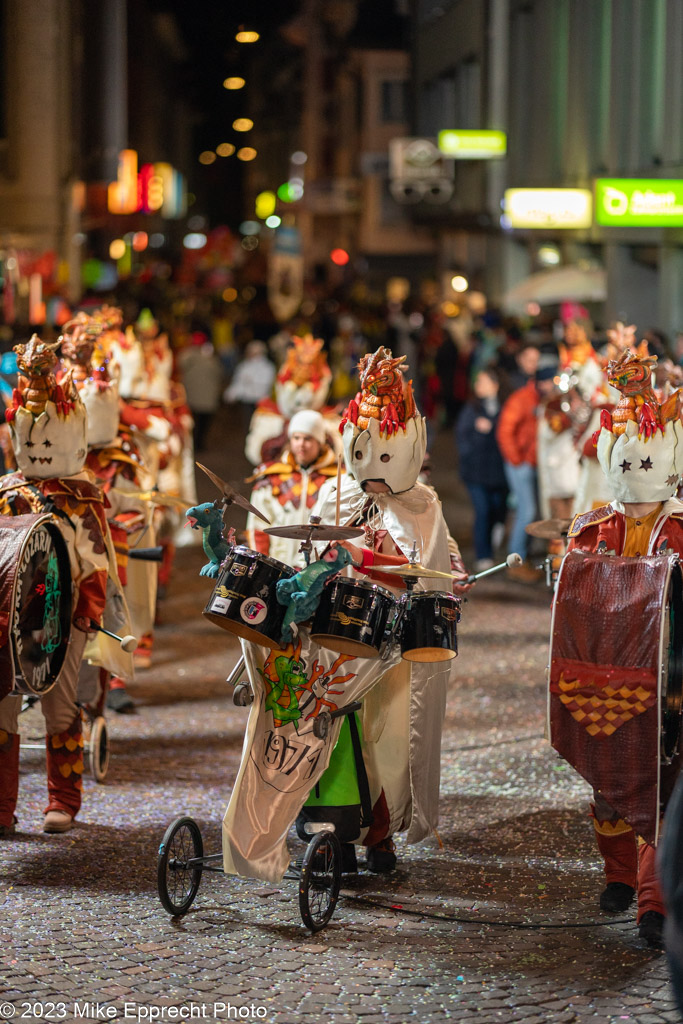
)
(352, 617)
(616, 676)
(429, 627)
(35, 602)
(244, 600)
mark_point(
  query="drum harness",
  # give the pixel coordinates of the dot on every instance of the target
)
(48, 504)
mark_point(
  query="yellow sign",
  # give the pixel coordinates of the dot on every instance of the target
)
(472, 144)
(548, 207)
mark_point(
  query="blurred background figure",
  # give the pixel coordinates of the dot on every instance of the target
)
(201, 372)
(481, 464)
(253, 380)
(518, 440)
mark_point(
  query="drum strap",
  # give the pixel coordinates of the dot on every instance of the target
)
(366, 816)
(50, 506)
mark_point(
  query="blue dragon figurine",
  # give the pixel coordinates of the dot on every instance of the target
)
(301, 593)
(209, 519)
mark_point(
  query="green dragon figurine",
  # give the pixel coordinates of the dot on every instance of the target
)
(209, 519)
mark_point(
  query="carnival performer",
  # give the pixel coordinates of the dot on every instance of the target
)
(290, 767)
(384, 445)
(48, 425)
(286, 489)
(117, 465)
(153, 407)
(303, 382)
(640, 450)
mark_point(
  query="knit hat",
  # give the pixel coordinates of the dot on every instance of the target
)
(307, 421)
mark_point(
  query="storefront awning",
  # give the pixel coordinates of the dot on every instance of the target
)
(561, 284)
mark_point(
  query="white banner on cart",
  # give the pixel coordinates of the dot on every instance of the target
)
(282, 759)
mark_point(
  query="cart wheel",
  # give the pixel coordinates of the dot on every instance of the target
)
(321, 724)
(177, 880)
(98, 747)
(320, 880)
(242, 695)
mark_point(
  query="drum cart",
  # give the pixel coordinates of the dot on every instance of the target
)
(181, 860)
(242, 603)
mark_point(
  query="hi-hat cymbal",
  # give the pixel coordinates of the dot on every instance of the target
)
(549, 529)
(316, 531)
(414, 571)
(230, 495)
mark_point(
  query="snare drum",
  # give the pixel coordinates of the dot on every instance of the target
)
(244, 601)
(35, 603)
(352, 617)
(429, 627)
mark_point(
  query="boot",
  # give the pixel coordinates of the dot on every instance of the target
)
(142, 656)
(65, 771)
(617, 844)
(650, 901)
(9, 780)
(118, 698)
(381, 857)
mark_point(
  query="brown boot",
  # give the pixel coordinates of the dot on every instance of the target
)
(65, 769)
(9, 780)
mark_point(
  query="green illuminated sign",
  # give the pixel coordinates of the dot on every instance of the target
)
(472, 144)
(640, 202)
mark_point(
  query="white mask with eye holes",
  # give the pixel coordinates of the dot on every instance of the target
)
(394, 459)
(102, 408)
(49, 445)
(292, 398)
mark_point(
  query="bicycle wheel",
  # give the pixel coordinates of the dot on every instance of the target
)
(320, 880)
(177, 880)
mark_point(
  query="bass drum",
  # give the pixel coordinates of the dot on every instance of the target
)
(615, 677)
(36, 603)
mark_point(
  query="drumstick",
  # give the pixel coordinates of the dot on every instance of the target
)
(128, 643)
(512, 560)
(339, 466)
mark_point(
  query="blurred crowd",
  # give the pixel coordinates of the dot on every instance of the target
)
(515, 396)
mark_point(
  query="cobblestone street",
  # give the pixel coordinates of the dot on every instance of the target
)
(499, 923)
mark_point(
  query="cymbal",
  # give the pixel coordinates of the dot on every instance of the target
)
(414, 571)
(316, 531)
(549, 529)
(230, 495)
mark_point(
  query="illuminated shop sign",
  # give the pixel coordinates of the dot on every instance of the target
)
(639, 202)
(155, 188)
(472, 144)
(548, 207)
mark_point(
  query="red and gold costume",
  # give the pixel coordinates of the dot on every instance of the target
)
(303, 382)
(286, 493)
(80, 507)
(626, 859)
(605, 668)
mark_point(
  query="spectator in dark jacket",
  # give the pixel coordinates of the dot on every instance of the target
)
(481, 464)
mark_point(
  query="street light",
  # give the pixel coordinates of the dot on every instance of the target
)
(459, 283)
(243, 124)
(247, 35)
(233, 82)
